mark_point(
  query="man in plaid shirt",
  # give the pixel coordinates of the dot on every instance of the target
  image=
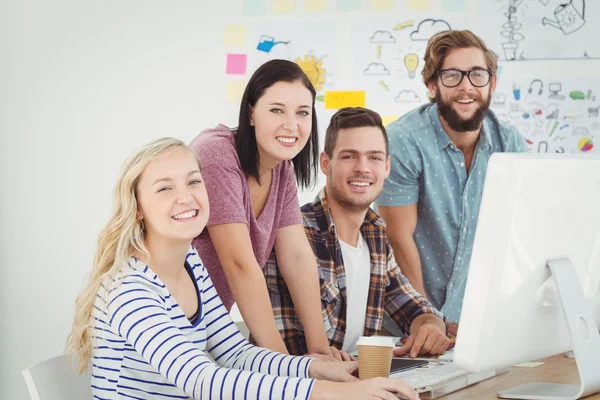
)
(360, 281)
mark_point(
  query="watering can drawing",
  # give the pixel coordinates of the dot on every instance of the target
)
(266, 43)
(568, 17)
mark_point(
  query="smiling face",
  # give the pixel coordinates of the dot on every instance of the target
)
(465, 106)
(172, 198)
(282, 120)
(357, 169)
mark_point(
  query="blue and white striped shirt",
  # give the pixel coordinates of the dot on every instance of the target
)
(145, 347)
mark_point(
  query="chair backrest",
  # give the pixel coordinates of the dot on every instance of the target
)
(54, 379)
(236, 316)
(241, 325)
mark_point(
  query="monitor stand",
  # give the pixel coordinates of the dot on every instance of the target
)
(584, 336)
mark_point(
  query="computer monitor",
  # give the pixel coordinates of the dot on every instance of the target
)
(535, 208)
(555, 87)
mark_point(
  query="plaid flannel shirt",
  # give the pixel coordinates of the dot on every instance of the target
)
(389, 291)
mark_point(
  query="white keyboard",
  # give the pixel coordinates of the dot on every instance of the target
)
(432, 376)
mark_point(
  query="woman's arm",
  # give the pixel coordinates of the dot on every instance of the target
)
(298, 266)
(231, 350)
(247, 283)
(139, 315)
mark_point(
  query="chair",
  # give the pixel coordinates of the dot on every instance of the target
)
(54, 379)
(237, 318)
(241, 325)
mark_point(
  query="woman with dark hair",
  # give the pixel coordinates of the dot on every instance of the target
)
(250, 174)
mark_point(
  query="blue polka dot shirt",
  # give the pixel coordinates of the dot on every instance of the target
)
(429, 170)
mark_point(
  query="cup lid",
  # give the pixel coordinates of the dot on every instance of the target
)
(386, 341)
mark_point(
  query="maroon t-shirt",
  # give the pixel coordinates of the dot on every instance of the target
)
(230, 202)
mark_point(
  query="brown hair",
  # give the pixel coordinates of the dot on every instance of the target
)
(352, 117)
(444, 42)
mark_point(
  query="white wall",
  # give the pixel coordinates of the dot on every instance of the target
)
(88, 82)
(84, 83)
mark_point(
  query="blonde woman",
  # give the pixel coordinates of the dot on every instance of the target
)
(150, 320)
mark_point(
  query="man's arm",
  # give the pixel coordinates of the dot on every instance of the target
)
(401, 223)
(423, 319)
(414, 314)
(298, 266)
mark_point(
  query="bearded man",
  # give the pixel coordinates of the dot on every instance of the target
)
(439, 155)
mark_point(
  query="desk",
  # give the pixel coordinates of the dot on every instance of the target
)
(557, 369)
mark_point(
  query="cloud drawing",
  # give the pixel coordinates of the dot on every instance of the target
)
(376, 69)
(382, 37)
(427, 28)
(407, 96)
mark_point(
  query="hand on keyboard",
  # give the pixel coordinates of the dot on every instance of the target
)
(428, 338)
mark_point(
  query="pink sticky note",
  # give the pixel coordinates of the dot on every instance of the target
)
(236, 64)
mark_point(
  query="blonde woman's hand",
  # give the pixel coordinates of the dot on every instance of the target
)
(337, 371)
(376, 388)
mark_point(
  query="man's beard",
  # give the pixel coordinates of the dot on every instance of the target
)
(453, 118)
(346, 201)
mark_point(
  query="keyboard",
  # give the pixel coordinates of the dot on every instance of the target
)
(436, 374)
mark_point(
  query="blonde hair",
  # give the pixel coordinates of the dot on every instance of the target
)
(122, 236)
(444, 42)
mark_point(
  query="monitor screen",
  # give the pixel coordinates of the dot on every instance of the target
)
(534, 207)
(554, 87)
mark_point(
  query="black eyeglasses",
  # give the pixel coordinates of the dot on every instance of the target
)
(453, 77)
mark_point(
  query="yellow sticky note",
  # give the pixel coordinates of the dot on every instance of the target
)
(419, 5)
(388, 120)
(284, 6)
(339, 99)
(315, 5)
(234, 90)
(234, 35)
(530, 364)
(382, 5)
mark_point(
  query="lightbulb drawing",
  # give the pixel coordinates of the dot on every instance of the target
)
(411, 61)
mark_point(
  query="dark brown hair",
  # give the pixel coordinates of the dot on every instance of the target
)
(352, 117)
(306, 162)
(444, 42)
